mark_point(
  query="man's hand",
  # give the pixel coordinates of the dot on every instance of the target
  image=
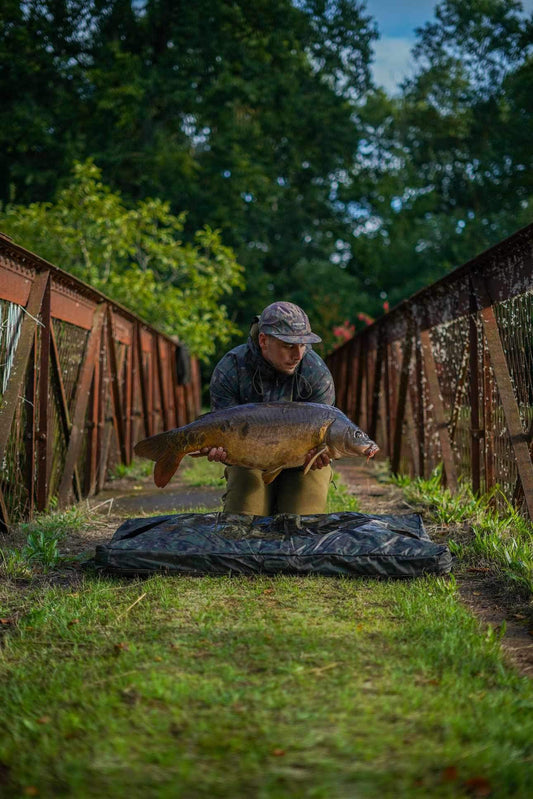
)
(217, 454)
(320, 462)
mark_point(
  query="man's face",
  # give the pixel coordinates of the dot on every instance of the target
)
(283, 357)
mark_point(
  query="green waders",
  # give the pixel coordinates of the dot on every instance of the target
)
(291, 492)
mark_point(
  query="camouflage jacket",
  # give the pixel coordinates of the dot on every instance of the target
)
(243, 375)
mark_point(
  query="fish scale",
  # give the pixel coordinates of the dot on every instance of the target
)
(269, 436)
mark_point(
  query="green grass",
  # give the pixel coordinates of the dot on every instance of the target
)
(268, 687)
(501, 538)
(137, 469)
(43, 536)
(201, 472)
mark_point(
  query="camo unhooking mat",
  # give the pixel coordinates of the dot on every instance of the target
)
(223, 543)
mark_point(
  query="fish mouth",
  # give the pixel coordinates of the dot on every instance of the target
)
(371, 450)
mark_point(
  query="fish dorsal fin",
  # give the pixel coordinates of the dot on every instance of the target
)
(271, 474)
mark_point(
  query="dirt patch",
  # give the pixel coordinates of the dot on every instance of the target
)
(508, 612)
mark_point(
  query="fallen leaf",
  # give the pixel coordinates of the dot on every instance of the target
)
(73, 621)
(121, 647)
(7, 621)
(31, 790)
(449, 774)
(478, 786)
(278, 752)
(44, 720)
(158, 659)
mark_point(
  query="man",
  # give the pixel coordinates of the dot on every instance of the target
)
(276, 364)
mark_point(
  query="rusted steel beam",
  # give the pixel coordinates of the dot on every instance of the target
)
(352, 375)
(118, 414)
(13, 391)
(101, 423)
(343, 353)
(44, 443)
(92, 432)
(161, 385)
(376, 388)
(18, 268)
(58, 388)
(419, 390)
(401, 402)
(435, 395)
(30, 397)
(476, 432)
(488, 421)
(128, 400)
(459, 389)
(81, 398)
(4, 515)
(388, 399)
(502, 376)
(147, 420)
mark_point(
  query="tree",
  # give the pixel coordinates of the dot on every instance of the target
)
(245, 115)
(135, 256)
(450, 172)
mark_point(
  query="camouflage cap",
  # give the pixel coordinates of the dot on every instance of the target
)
(288, 322)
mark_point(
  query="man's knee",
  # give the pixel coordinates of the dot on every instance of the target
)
(245, 491)
(303, 493)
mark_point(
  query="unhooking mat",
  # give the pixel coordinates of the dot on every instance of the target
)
(224, 543)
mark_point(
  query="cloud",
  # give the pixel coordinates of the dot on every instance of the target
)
(393, 62)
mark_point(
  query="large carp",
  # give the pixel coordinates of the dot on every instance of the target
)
(270, 436)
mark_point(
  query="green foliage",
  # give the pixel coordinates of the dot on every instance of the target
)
(260, 120)
(135, 256)
(339, 497)
(449, 168)
(43, 536)
(501, 537)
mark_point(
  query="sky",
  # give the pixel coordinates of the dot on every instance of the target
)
(397, 20)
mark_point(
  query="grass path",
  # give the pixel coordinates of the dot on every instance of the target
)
(265, 687)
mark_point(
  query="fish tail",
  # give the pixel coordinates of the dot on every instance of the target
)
(159, 449)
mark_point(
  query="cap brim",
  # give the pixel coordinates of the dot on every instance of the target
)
(308, 338)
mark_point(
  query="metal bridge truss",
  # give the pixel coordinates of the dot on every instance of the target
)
(447, 376)
(81, 380)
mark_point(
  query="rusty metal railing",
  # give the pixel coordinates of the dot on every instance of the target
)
(447, 376)
(81, 380)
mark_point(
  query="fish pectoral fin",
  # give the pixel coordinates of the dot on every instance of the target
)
(270, 476)
(313, 459)
(165, 468)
